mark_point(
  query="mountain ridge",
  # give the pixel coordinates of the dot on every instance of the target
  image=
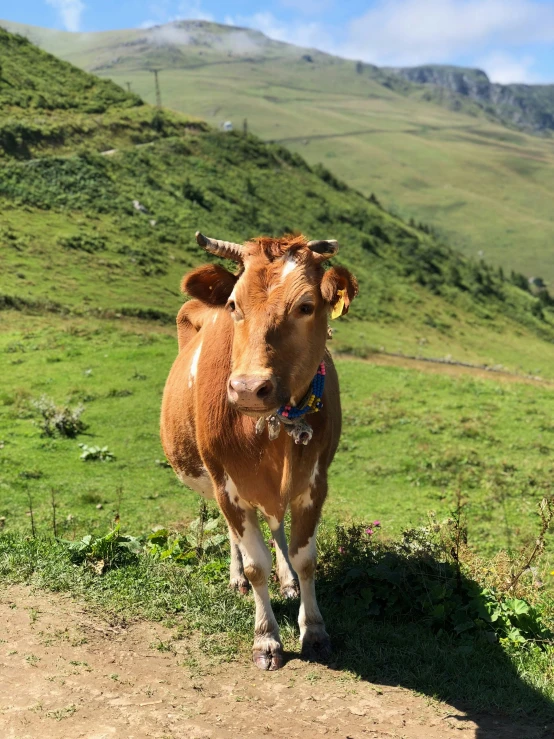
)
(524, 106)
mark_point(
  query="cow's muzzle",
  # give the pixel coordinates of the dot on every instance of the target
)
(253, 393)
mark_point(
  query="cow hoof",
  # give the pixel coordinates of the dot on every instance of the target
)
(316, 647)
(291, 591)
(268, 658)
(241, 586)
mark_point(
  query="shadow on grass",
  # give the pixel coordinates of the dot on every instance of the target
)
(402, 616)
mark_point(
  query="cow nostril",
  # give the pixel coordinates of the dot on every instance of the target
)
(264, 390)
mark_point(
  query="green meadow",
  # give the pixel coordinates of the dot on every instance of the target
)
(412, 441)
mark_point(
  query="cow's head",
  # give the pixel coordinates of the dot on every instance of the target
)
(280, 301)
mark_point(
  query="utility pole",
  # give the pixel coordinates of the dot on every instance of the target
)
(157, 83)
(128, 86)
(245, 126)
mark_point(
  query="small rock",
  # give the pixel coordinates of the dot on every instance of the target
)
(99, 507)
(357, 711)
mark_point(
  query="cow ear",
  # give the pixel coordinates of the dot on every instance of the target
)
(339, 288)
(211, 284)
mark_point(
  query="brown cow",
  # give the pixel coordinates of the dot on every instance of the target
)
(252, 360)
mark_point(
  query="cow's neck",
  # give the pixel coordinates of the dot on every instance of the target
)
(293, 418)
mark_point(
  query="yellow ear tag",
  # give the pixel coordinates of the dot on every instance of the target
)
(338, 307)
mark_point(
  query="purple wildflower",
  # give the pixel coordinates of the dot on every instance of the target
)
(369, 532)
(377, 524)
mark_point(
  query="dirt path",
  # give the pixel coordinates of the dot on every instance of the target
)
(66, 673)
(453, 369)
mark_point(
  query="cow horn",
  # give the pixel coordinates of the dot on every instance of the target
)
(225, 249)
(326, 249)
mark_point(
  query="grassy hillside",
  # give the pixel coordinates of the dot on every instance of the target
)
(76, 243)
(485, 188)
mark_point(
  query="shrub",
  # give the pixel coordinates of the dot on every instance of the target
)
(96, 453)
(430, 576)
(104, 552)
(83, 242)
(61, 420)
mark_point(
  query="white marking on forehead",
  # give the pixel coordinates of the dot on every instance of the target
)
(194, 365)
(290, 265)
(214, 319)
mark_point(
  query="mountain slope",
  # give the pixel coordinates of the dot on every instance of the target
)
(487, 189)
(74, 238)
(527, 107)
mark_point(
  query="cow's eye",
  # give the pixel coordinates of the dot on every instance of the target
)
(307, 309)
(231, 306)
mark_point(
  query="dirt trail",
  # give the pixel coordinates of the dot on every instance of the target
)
(66, 673)
(453, 369)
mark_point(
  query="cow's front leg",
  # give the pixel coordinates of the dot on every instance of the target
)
(285, 573)
(304, 520)
(267, 652)
(237, 578)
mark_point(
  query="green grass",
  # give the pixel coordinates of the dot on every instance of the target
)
(485, 187)
(411, 440)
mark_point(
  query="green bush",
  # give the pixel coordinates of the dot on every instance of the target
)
(61, 420)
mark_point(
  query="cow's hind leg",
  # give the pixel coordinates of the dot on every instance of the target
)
(285, 573)
(267, 652)
(237, 578)
(316, 644)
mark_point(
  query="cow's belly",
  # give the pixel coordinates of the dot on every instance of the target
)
(201, 484)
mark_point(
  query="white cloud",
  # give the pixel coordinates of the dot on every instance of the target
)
(163, 12)
(408, 32)
(503, 68)
(70, 12)
(312, 35)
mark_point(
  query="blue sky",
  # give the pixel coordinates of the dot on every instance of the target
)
(513, 40)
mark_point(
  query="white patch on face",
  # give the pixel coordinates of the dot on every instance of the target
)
(201, 484)
(290, 265)
(194, 365)
(214, 319)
